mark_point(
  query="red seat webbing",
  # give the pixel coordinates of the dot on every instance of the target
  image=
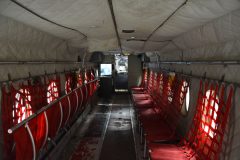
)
(21, 100)
(53, 89)
(207, 130)
(68, 83)
(144, 79)
(24, 149)
(205, 136)
(7, 120)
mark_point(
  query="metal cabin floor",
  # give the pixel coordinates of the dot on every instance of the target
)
(106, 133)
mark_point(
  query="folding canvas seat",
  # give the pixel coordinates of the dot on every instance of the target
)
(167, 152)
(142, 87)
(162, 122)
(146, 94)
(146, 100)
(157, 97)
(205, 136)
(146, 103)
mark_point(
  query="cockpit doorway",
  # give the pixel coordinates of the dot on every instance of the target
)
(121, 73)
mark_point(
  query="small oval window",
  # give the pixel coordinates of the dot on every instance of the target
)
(185, 100)
(22, 108)
(209, 116)
(52, 92)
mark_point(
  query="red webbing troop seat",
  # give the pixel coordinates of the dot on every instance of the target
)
(146, 94)
(7, 119)
(85, 89)
(205, 136)
(158, 121)
(53, 113)
(38, 95)
(88, 79)
(71, 82)
(66, 109)
(79, 79)
(161, 123)
(18, 104)
(143, 83)
(158, 97)
(81, 91)
(145, 100)
(92, 85)
(27, 146)
(68, 83)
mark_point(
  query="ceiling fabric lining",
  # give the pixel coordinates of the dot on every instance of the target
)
(195, 13)
(218, 39)
(93, 18)
(34, 13)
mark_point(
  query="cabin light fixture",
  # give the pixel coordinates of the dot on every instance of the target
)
(128, 30)
(133, 37)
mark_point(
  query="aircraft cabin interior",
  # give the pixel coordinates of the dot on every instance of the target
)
(120, 79)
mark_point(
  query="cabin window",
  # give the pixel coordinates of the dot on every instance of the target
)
(169, 85)
(22, 108)
(209, 115)
(68, 85)
(185, 100)
(52, 92)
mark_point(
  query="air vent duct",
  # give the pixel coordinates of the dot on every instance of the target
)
(128, 31)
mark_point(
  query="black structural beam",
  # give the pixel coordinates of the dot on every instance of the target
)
(115, 24)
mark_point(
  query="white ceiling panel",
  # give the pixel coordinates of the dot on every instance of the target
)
(143, 16)
(194, 14)
(135, 46)
(93, 18)
(154, 46)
